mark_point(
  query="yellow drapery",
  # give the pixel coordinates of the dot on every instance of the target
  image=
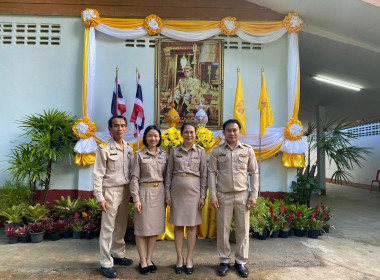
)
(85, 159)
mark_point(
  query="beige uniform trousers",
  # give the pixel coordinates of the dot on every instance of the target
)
(233, 204)
(114, 224)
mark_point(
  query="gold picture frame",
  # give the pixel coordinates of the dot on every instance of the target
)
(189, 74)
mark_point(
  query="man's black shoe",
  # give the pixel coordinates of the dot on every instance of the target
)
(109, 272)
(223, 269)
(242, 269)
(122, 261)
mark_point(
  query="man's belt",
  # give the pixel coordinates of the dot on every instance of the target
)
(153, 184)
(185, 175)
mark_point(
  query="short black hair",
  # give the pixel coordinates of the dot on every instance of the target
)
(150, 127)
(117, 117)
(230, 121)
(187, 124)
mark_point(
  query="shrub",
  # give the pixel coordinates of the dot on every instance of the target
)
(13, 193)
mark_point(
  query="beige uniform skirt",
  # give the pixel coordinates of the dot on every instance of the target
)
(185, 194)
(151, 221)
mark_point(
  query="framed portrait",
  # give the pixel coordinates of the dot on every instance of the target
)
(189, 75)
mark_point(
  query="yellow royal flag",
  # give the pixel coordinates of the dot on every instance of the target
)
(239, 111)
(266, 119)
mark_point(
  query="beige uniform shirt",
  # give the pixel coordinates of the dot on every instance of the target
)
(193, 162)
(231, 167)
(147, 168)
(112, 167)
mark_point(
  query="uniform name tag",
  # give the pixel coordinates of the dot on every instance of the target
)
(241, 155)
(146, 157)
(194, 158)
(222, 155)
(178, 156)
(113, 154)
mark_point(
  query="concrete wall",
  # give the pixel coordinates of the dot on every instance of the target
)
(36, 77)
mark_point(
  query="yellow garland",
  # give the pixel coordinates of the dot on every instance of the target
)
(171, 138)
(287, 22)
(90, 132)
(93, 21)
(225, 30)
(204, 138)
(152, 32)
(288, 134)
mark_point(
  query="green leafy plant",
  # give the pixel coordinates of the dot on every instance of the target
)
(51, 140)
(36, 213)
(14, 214)
(336, 144)
(302, 190)
(274, 221)
(92, 204)
(13, 193)
(77, 224)
(67, 207)
(27, 165)
(258, 218)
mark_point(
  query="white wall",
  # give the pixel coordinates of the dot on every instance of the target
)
(33, 78)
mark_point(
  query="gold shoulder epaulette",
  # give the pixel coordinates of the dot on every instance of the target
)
(199, 146)
(248, 146)
(130, 145)
(103, 145)
(163, 150)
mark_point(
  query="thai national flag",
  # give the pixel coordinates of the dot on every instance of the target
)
(121, 108)
(138, 117)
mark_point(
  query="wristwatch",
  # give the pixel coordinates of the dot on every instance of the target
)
(203, 196)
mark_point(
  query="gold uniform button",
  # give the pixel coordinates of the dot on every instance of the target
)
(155, 185)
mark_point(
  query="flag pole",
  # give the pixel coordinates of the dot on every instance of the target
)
(117, 89)
(262, 71)
(138, 132)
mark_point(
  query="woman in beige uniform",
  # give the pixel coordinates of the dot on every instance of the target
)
(185, 189)
(147, 190)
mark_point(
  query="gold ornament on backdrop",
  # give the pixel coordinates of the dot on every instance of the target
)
(90, 17)
(293, 23)
(229, 25)
(293, 130)
(153, 24)
(172, 118)
(84, 129)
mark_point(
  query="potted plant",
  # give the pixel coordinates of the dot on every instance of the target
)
(14, 214)
(286, 225)
(67, 229)
(327, 210)
(51, 137)
(258, 219)
(300, 221)
(274, 224)
(89, 230)
(54, 229)
(66, 207)
(23, 234)
(130, 234)
(77, 226)
(11, 234)
(36, 213)
(316, 224)
(37, 231)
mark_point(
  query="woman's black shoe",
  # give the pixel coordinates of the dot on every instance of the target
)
(189, 270)
(143, 270)
(152, 268)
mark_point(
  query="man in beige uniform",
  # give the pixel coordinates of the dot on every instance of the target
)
(230, 163)
(111, 189)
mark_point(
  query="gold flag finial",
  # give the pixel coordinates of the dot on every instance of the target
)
(238, 69)
(262, 69)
